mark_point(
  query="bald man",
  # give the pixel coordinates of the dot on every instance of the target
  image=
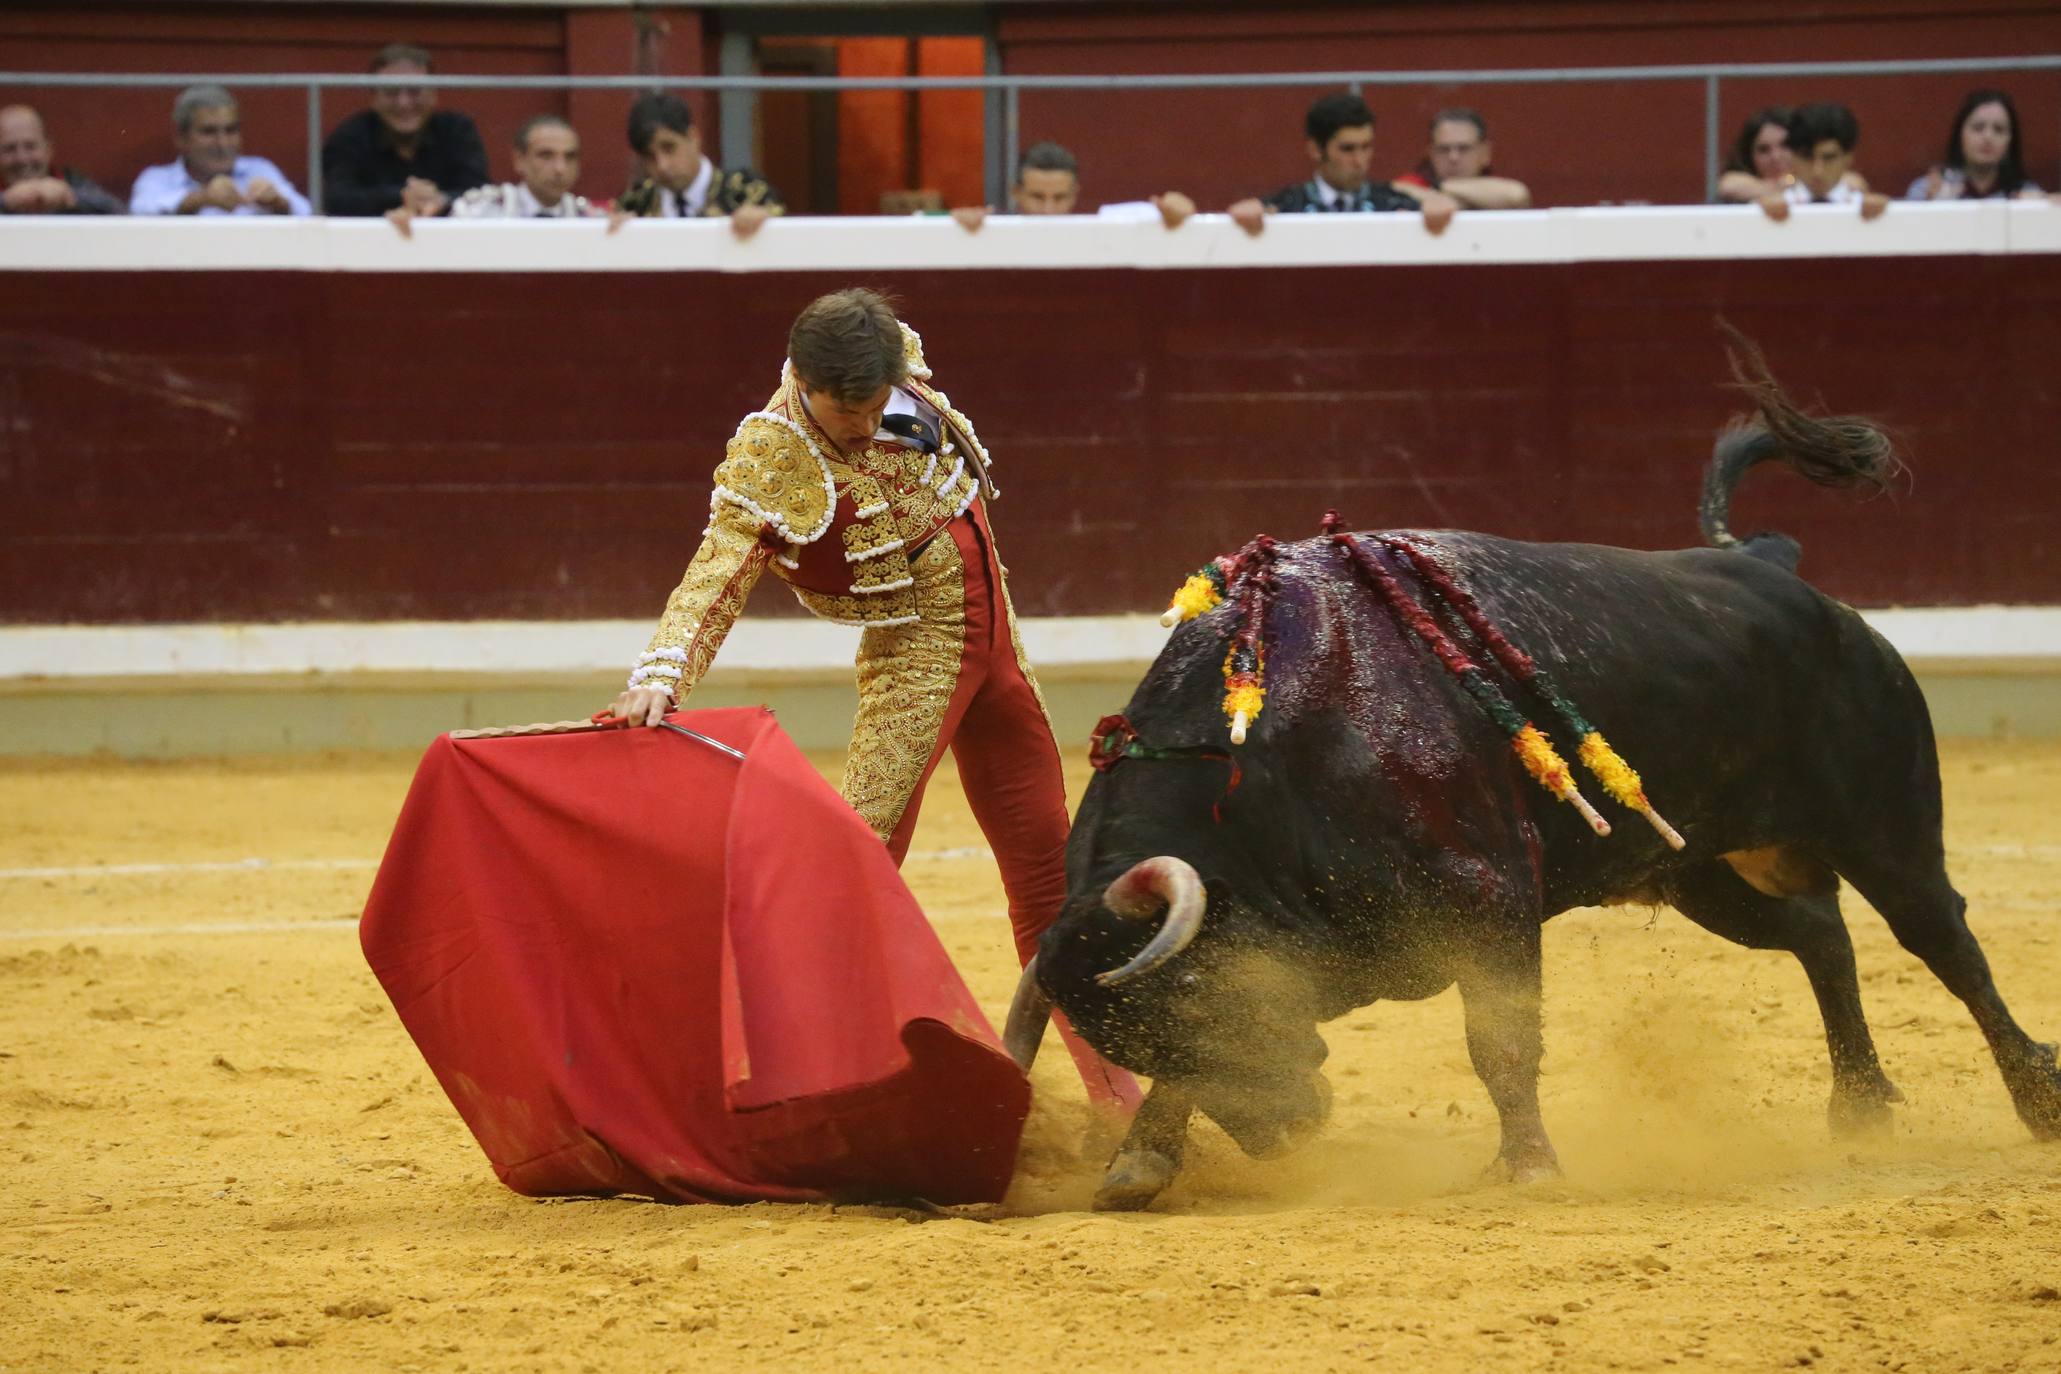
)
(29, 185)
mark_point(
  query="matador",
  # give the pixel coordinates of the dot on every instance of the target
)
(864, 490)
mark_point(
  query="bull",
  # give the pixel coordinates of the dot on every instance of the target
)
(1373, 838)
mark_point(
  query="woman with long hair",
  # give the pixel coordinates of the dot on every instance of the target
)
(1984, 157)
(1759, 165)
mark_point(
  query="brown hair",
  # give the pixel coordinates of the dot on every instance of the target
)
(848, 343)
(394, 54)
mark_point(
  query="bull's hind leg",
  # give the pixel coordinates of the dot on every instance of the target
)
(1808, 925)
(1500, 991)
(1908, 885)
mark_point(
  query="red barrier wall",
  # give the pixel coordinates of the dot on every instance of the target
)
(211, 446)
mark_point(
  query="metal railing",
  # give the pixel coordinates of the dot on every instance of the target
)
(1004, 139)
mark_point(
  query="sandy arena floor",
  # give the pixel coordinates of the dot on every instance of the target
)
(222, 1152)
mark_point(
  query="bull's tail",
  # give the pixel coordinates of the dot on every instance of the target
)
(1833, 451)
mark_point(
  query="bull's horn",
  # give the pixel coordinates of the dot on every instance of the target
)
(1138, 893)
(1029, 1010)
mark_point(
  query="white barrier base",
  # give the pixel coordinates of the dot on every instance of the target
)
(1977, 638)
(181, 690)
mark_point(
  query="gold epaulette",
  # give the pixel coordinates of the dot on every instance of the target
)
(912, 353)
(919, 383)
(641, 199)
(774, 470)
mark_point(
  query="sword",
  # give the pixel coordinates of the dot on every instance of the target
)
(600, 721)
(715, 744)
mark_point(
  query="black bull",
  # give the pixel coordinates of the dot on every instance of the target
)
(1382, 841)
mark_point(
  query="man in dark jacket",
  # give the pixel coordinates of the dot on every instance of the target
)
(682, 182)
(403, 153)
(32, 186)
(1339, 134)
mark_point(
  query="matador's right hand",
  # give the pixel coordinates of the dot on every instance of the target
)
(643, 705)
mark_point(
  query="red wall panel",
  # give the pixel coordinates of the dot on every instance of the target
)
(951, 125)
(875, 128)
(370, 446)
(872, 126)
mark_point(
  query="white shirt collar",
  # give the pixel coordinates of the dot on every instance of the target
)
(1841, 194)
(903, 402)
(697, 190)
(568, 206)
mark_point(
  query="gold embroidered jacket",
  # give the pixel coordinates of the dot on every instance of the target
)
(727, 191)
(839, 529)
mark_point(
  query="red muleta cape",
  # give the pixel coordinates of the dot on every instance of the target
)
(638, 965)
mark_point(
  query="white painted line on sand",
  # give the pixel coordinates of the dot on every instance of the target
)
(957, 854)
(187, 928)
(333, 865)
(228, 866)
(322, 923)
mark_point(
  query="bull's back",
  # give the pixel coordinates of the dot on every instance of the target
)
(1683, 622)
(1742, 694)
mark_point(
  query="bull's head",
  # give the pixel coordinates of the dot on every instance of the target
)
(1165, 978)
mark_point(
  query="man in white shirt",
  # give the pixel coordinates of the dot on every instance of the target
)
(211, 176)
(547, 164)
(1822, 138)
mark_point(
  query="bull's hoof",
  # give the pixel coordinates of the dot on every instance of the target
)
(1530, 1167)
(1289, 1136)
(1863, 1112)
(2037, 1095)
(1135, 1177)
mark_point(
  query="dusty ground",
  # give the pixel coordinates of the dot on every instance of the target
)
(221, 1151)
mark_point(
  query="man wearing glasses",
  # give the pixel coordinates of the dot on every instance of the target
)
(403, 153)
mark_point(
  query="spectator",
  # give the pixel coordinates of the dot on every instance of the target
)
(1759, 165)
(679, 181)
(403, 153)
(1983, 156)
(1339, 133)
(32, 185)
(547, 165)
(211, 176)
(1457, 163)
(1048, 182)
(1821, 142)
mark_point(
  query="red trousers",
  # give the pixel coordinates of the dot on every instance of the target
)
(995, 725)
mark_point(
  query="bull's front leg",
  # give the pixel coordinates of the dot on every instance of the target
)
(1151, 1152)
(1501, 993)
